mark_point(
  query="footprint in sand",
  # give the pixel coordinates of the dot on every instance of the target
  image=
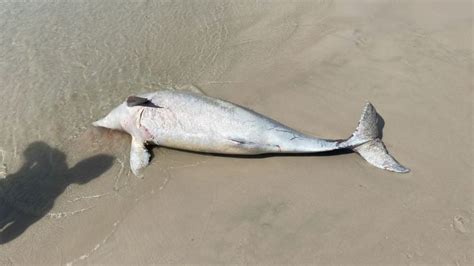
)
(459, 224)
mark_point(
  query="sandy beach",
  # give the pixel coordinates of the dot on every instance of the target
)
(66, 192)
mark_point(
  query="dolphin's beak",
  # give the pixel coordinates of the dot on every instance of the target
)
(97, 123)
(100, 123)
(110, 121)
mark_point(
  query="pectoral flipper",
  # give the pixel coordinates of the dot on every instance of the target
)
(139, 157)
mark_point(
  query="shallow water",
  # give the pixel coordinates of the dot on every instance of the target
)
(308, 64)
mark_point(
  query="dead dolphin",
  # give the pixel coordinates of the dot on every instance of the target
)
(188, 119)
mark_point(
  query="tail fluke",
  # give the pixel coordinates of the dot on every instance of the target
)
(367, 141)
(377, 155)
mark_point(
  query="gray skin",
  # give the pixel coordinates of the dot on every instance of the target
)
(189, 120)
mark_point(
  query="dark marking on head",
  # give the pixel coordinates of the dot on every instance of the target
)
(139, 101)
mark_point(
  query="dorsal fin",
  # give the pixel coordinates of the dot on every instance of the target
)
(140, 101)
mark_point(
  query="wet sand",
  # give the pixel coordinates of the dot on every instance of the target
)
(67, 194)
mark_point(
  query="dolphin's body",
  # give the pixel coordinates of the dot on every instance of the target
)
(189, 120)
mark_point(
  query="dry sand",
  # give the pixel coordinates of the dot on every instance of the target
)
(308, 64)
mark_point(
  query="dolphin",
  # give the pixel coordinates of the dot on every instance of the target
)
(185, 118)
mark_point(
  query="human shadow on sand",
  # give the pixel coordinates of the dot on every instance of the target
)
(29, 194)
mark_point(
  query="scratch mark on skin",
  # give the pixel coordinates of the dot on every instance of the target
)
(97, 246)
(242, 142)
(272, 128)
(284, 130)
(294, 136)
(279, 148)
(276, 128)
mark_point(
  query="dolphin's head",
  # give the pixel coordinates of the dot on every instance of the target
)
(120, 117)
(114, 119)
(123, 115)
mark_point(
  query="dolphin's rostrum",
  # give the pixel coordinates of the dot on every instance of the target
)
(187, 119)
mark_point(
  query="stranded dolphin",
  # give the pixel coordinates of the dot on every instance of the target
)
(188, 119)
